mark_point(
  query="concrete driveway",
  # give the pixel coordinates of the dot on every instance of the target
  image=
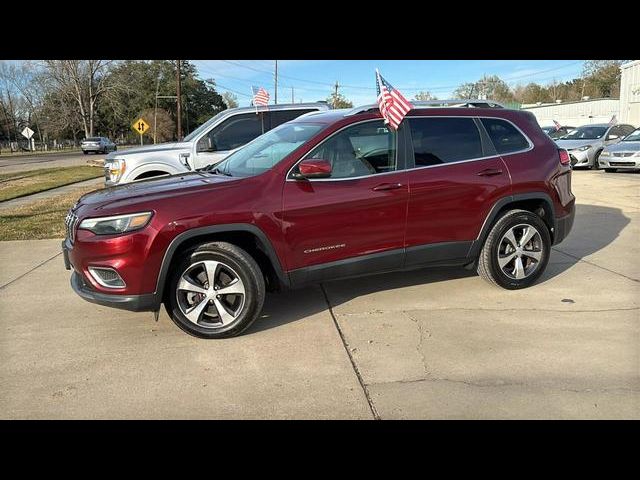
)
(424, 344)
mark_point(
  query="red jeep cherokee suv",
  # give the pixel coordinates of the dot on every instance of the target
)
(328, 195)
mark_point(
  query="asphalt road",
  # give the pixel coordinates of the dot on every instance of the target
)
(427, 344)
(34, 162)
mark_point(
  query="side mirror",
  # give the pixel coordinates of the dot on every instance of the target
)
(314, 168)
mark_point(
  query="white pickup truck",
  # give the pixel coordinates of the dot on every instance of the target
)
(209, 144)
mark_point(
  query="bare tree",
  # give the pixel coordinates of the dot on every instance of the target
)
(422, 95)
(230, 99)
(85, 82)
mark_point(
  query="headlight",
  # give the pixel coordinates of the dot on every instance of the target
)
(582, 149)
(116, 168)
(116, 224)
(605, 154)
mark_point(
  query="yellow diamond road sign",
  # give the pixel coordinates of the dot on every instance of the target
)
(140, 126)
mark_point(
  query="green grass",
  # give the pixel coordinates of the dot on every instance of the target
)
(19, 184)
(39, 219)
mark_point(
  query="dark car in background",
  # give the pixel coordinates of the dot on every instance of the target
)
(97, 145)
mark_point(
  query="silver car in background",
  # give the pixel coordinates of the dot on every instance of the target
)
(624, 155)
(97, 145)
(586, 143)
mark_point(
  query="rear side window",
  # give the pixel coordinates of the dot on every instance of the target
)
(505, 136)
(443, 140)
(284, 116)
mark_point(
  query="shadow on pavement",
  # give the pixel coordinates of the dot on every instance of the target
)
(594, 228)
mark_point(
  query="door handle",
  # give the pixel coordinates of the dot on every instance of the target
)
(386, 186)
(489, 172)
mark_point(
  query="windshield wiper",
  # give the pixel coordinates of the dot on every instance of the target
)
(217, 171)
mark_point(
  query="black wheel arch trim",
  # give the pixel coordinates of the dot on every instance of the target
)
(489, 221)
(213, 229)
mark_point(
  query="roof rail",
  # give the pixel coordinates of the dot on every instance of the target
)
(468, 103)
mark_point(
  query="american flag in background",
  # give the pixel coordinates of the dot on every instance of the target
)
(558, 126)
(393, 105)
(613, 120)
(260, 96)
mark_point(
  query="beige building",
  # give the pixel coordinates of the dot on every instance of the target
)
(576, 114)
(630, 93)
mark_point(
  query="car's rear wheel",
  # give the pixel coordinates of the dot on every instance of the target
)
(516, 251)
(610, 170)
(216, 291)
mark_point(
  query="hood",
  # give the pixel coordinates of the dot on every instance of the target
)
(161, 147)
(153, 189)
(624, 147)
(571, 144)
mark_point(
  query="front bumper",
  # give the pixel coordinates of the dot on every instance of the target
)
(580, 158)
(631, 163)
(147, 302)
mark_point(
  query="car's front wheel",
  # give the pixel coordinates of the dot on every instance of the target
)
(516, 251)
(596, 161)
(216, 291)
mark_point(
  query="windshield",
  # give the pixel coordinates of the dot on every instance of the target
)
(202, 128)
(633, 137)
(586, 133)
(265, 151)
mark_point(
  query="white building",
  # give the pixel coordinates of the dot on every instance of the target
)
(576, 114)
(630, 93)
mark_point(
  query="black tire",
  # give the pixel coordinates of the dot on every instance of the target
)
(488, 267)
(85, 152)
(610, 170)
(596, 165)
(248, 271)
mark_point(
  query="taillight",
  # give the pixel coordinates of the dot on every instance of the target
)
(564, 157)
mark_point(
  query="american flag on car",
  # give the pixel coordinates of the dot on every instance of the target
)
(392, 104)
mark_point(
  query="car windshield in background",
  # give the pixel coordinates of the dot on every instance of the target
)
(633, 137)
(265, 151)
(586, 133)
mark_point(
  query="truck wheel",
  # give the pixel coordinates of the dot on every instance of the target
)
(516, 251)
(216, 291)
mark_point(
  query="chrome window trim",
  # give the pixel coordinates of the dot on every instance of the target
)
(288, 179)
(475, 159)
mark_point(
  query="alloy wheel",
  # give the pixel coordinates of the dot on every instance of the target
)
(520, 251)
(210, 294)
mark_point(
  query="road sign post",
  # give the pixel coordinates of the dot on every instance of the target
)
(141, 127)
(28, 133)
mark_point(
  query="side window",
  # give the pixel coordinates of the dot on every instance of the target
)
(232, 133)
(283, 116)
(505, 137)
(615, 132)
(627, 130)
(364, 149)
(443, 140)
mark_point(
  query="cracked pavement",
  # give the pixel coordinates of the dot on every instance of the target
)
(427, 344)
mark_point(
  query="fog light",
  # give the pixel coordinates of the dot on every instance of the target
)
(107, 277)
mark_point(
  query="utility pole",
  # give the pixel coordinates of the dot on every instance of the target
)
(276, 75)
(179, 113)
(155, 113)
(335, 94)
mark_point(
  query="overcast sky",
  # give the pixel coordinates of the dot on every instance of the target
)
(313, 79)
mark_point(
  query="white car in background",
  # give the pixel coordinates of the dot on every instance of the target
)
(624, 155)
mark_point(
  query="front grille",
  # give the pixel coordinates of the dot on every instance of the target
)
(622, 164)
(623, 154)
(70, 223)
